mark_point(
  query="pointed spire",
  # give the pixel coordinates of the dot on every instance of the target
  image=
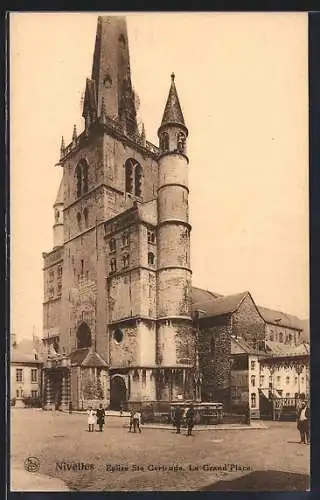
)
(62, 147)
(74, 134)
(172, 112)
(111, 70)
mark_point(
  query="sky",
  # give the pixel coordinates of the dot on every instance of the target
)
(243, 87)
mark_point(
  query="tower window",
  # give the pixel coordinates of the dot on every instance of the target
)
(85, 169)
(125, 261)
(51, 276)
(151, 237)
(85, 215)
(181, 142)
(82, 170)
(113, 265)
(129, 177)
(118, 335)
(280, 337)
(138, 180)
(151, 258)
(133, 177)
(79, 220)
(79, 181)
(253, 380)
(125, 239)
(81, 268)
(164, 141)
(112, 245)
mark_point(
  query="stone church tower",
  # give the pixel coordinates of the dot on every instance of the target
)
(117, 284)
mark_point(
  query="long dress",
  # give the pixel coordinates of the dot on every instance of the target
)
(91, 417)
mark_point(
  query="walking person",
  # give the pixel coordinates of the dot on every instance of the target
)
(91, 419)
(132, 412)
(100, 417)
(303, 423)
(137, 421)
(177, 417)
(70, 407)
(190, 419)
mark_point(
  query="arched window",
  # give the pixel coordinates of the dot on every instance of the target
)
(84, 336)
(253, 400)
(85, 215)
(164, 141)
(85, 168)
(112, 245)
(133, 177)
(151, 258)
(79, 180)
(253, 380)
(151, 236)
(82, 177)
(129, 176)
(280, 337)
(125, 261)
(138, 180)
(181, 142)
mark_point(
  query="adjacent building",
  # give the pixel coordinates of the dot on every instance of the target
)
(25, 372)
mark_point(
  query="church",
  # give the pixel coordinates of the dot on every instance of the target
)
(122, 324)
(117, 284)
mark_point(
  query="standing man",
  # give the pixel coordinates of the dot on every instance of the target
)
(132, 412)
(177, 417)
(190, 419)
(100, 417)
(70, 407)
(303, 423)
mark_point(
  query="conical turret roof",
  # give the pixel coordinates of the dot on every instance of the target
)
(172, 112)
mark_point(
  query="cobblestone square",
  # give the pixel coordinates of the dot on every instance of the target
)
(118, 460)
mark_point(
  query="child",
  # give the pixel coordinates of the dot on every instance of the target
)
(91, 419)
(137, 421)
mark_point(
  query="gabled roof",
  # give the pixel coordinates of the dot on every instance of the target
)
(222, 305)
(94, 359)
(87, 357)
(202, 299)
(279, 318)
(240, 346)
(78, 356)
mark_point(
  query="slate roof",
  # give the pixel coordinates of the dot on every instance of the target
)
(172, 111)
(90, 97)
(280, 318)
(214, 304)
(87, 357)
(24, 352)
(78, 356)
(240, 346)
(279, 349)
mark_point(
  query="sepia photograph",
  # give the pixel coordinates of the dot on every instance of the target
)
(159, 252)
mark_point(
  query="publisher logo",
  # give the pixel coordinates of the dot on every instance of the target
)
(32, 464)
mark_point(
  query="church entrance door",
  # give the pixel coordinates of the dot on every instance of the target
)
(118, 393)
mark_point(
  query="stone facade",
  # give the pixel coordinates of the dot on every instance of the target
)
(118, 281)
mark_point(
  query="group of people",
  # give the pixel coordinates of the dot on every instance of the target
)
(189, 416)
(96, 417)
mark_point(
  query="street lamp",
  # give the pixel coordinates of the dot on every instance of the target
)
(197, 331)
